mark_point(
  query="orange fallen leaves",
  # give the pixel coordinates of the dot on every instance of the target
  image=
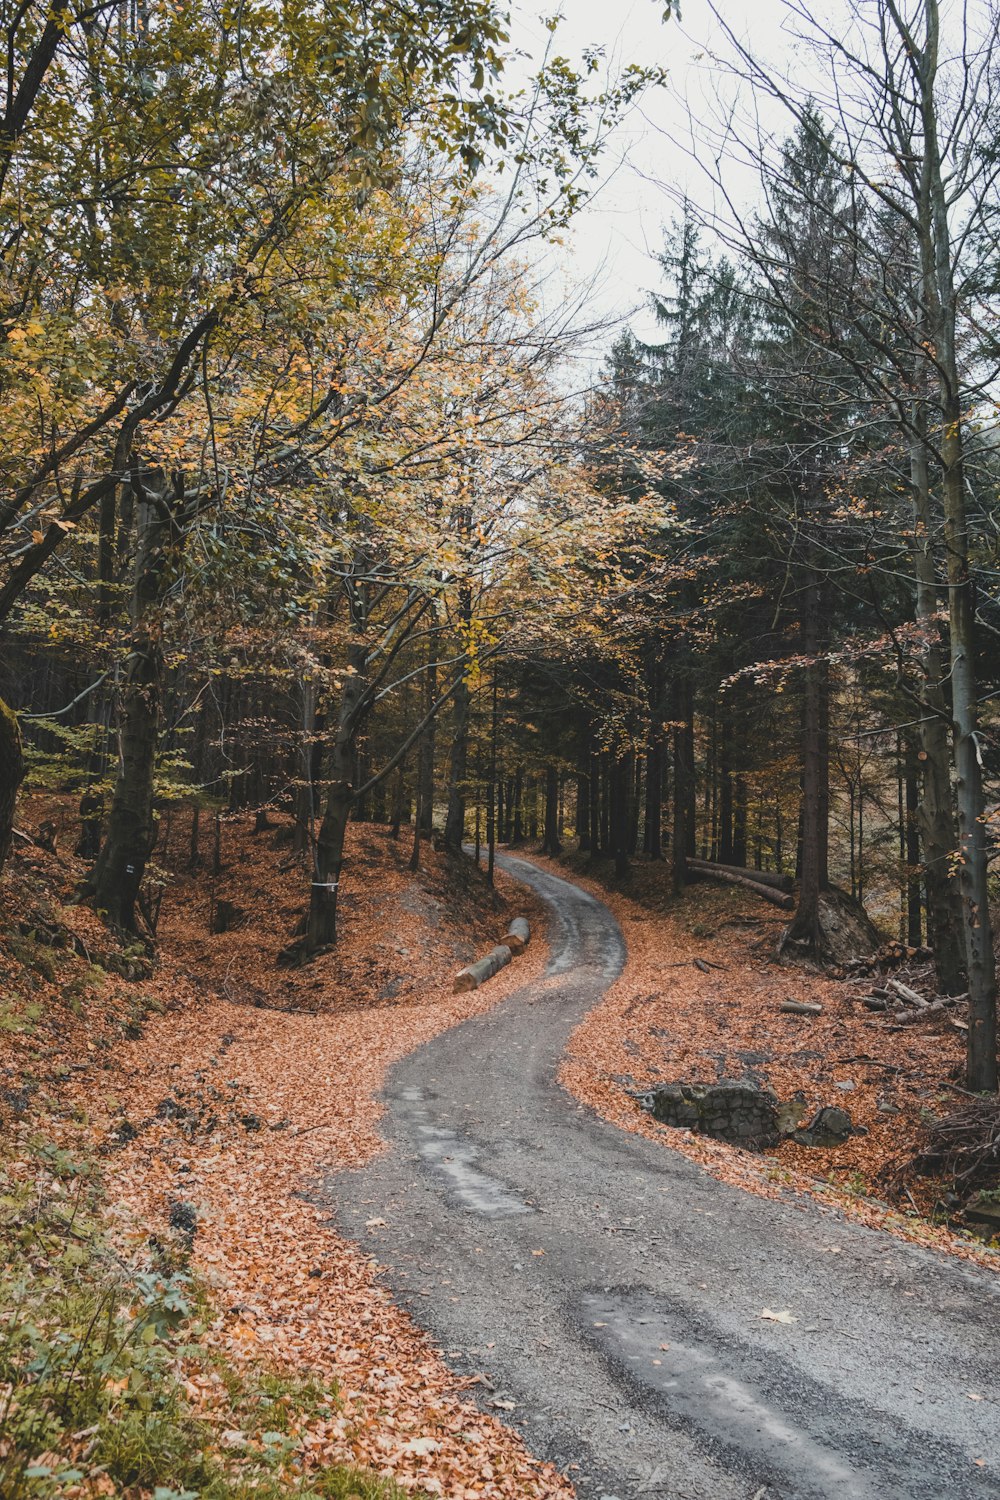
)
(245, 1112)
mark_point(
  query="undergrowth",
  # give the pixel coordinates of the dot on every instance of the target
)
(99, 1355)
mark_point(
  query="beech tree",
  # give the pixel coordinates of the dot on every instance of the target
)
(155, 164)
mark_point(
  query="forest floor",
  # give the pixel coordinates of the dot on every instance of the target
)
(667, 1021)
(214, 1089)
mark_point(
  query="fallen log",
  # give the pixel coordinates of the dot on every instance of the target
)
(759, 877)
(801, 1008)
(471, 977)
(518, 936)
(905, 993)
(705, 871)
(930, 1008)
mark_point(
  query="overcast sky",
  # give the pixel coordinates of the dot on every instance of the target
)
(620, 231)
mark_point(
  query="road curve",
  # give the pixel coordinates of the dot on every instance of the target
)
(610, 1291)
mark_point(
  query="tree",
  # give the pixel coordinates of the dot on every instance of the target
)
(155, 165)
(913, 119)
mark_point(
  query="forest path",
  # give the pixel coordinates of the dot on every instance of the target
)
(610, 1293)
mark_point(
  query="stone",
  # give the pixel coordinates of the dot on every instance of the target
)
(830, 1126)
(790, 1114)
(983, 1210)
(738, 1112)
(751, 1059)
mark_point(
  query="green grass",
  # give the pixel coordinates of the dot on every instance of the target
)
(92, 1350)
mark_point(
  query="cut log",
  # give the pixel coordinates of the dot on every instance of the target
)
(905, 993)
(758, 877)
(907, 1017)
(800, 1008)
(702, 870)
(519, 935)
(474, 975)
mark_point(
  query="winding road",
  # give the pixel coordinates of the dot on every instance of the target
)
(610, 1292)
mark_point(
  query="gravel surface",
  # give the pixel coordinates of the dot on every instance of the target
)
(609, 1294)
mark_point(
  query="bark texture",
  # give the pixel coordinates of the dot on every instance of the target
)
(11, 776)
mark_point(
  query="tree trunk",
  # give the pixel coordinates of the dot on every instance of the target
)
(970, 797)
(653, 833)
(551, 843)
(491, 806)
(314, 727)
(605, 841)
(417, 829)
(805, 935)
(740, 821)
(684, 786)
(914, 934)
(517, 826)
(398, 801)
(428, 747)
(583, 810)
(936, 816)
(633, 783)
(621, 779)
(11, 776)
(595, 804)
(321, 926)
(454, 828)
(939, 292)
(91, 818)
(725, 855)
(113, 887)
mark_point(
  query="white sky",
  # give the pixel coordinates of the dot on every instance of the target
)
(617, 234)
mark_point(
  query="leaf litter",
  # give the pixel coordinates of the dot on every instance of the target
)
(249, 1086)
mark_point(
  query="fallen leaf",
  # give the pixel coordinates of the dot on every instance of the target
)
(421, 1446)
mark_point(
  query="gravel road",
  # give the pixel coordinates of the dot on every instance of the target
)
(610, 1293)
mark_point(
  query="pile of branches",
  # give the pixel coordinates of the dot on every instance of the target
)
(962, 1146)
(902, 1004)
